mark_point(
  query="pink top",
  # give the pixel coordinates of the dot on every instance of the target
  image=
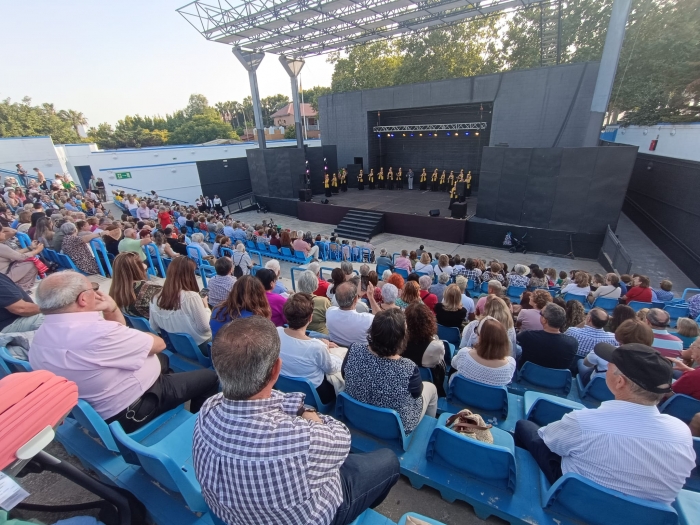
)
(404, 263)
(529, 319)
(277, 306)
(108, 361)
(300, 245)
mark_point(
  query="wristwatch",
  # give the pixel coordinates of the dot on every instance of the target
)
(305, 408)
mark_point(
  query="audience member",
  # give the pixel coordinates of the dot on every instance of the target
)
(610, 290)
(119, 371)
(439, 289)
(384, 260)
(345, 325)
(322, 284)
(450, 311)
(494, 288)
(694, 306)
(280, 288)
(422, 344)
(496, 308)
(424, 267)
(197, 243)
(408, 295)
(529, 318)
(268, 278)
(179, 308)
(15, 264)
(241, 261)
(298, 453)
(337, 278)
(247, 298)
(376, 374)
(689, 382)
(300, 245)
(639, 291)
(390, 294)
(467, 301)
(591, 333)
(403, 262)
(626, 444)
(443, 267)
(687, 330)
(132, 243)
(430, 299)
(538, 279)
(130, 288)
(221, 284)
(620, 314)
(666, 344)
(489, 361)
(580, 286)
(18, 313)
(575, 314)
(307, 283)
(548, 347)
(518, 277)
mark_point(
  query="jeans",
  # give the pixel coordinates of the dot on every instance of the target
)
(366, 480)
(585, 372)
(526, 437)
(24, 324)
(410, 183)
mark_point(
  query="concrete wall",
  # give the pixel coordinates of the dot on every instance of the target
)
(680, 141)
(30, 152)
(533, 108)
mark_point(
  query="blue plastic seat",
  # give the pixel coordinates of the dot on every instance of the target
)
(427, 520)
(639, 305)
(166, 457)
(335, 253)
(293, 271)
(580, 298)
(184, 345)
(676, 311)
(101, 257)
(303, 385)
(299, 255)
(681, 406)
(606, 303)
(202, 265)
(584, 501)
(286, 252)
(261, 246)
(381, 269)
(274, 250)
(487, 400)
(484, 288)
(471, 285)
(551, 380)
(154, 260)
(380, 424)
(24, 240)
(450, 334)
(426, 374)
(138, 323)
(250, 245)
(544, 409)
(488, 463)
(687, 340)
(596, 391)
(12, 363)
(403, 273)
(67, 263)
(514, 292)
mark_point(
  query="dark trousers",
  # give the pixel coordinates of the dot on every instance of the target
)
(526, 437)
(366, 480)
(169, 391)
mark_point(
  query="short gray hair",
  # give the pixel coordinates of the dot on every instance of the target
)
(644, 397)
(197, 237)
(495, 285)
(345, 295)
(244, 353)
(68, 228)
(59, 290)
(364, 269)
(554, 314)
(347, 268)
(658, 317)
(274, 265)
(462, 282)
(314, 267)
(424, 281)
(385, 275)
(307, 282)
(443, 278)
(389, 293)
(383, 252)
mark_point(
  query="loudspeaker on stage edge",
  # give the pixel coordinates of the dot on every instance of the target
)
(305, 195)
(434, 213)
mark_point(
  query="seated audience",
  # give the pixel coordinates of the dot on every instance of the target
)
(443, 266)
(424, 266)
(280, 288)
(665, 343)
(268, 278)
(307, 283)
(663, 293)
(376, 374)
(247, 297)
(403, 262)
(119, 371)
(496, 308)
(494, 274)
(591, 333)
(575, 314)
(689, 382)
(580, 286)
(538, 279)
(18, 313)
(489, 361)
(221, 284)
(518, 277)
(694, 306)
(529, 318)
(386, 275)
(450, 311)
(337, 278)
(422, 344)
(620, 314)
(346, 325)
(78, 250)
(630, 331)
(493, 288)
(430, 299)
(300, 245)
(241, 261)
(177, 246)
(164, 249)
(197, 242)
(14, 263)
(408, 295)
(439, 289)
(132, 243)
(639, 291)
(303, 356)
(467, 301)
(179, 308)
(322, 285)
(626, 444)
(390, 295)
(548, 347)
(130, 288)
(687, 331)
(610, 290)
(309, 462)
(384, 260)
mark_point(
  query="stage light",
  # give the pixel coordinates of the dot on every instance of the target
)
(477, 133)
(307, 171)
(325, 167)
(467, 133)
(388, 134)
(420, 134)
(379, 134)
(448, 133)
(456, 134)
(430, 134)
(404, 134)
(411, 134)
(324, 160)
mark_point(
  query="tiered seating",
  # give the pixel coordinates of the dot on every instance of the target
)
(12, 364)
(284, 254)
(303, 385)
(542, 379)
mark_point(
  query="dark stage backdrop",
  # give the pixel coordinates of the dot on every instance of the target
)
(562, 189)
(276, 172)
(315, 158)
(227, 178)
(453, 152)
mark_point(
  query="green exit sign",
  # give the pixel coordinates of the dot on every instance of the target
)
(123, 175)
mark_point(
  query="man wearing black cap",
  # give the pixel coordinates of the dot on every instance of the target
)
(626, 444)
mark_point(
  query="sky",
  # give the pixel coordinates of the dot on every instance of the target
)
(111, 58)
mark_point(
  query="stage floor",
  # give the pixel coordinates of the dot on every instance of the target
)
(411, 202)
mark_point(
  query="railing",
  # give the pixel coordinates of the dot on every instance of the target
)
(613, 255)
(312, 127)
(239, 203)
(148, 194)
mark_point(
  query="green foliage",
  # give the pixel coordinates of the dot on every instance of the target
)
(367, 66)
(290, 132)
(269, 105)
(21, 119)
(201, 128)
(197, 105)
(311, 95)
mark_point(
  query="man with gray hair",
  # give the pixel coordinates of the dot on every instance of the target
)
(548, 347)
(280, 288)
(346, 325)
(121, 372)
(384, 259)
(300, 245)
(131, 243)
(322, 289)
(665, 343)
(494, 288)
(439, 289)
(282, 462)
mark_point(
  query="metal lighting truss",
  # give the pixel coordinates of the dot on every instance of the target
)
(300, 28)
(431, 127)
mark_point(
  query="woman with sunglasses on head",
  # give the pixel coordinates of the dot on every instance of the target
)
(130, 287)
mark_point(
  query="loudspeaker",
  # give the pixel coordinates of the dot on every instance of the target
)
(324, 201)
(305, 195)
(461, 189)
(459, 210)
(434, 213)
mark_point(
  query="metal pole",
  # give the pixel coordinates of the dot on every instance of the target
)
(559, 35)
(293, 67)
(607, 70)
(251, 60)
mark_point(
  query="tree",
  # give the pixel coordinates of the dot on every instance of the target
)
(196, 105)
(290, 132)
(201, 128)
(74, 118)
(367, 66)
(311, 95)
(24, 120)
(269, 105)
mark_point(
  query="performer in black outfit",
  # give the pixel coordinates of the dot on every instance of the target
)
(334, 185)
(434, 181)
(360, 181)
(399, 180)
(469, 184)
(370, 179)
(451, 180)
(453, 194)
(327, 185)
(380, 178)
(423, 180)
(390, 179)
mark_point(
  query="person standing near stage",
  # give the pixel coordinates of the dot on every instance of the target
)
(442, 181)
(409, 178)
(399, 180)
(343, 180)
(370, 179)
(434, 181)
(423, 181)
(327, 185)
(451, 180)
(461, 176)
(361, 181)
(469, 184)
(453, 194)
(217, 204)
(380, 178)
(334, 185)
(390, 179)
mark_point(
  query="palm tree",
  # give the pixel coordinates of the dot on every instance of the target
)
(75, 118)
(221, 107)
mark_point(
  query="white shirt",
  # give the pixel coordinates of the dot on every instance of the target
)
(307, 358)
(625, 446)
(446, 269)
(182, 220)
(192, 318)
(600, 364)
(574, 289)
(470, 368)
(217, 201)
(608, 291)
(346, 327)
(468, 303)
(425, 268)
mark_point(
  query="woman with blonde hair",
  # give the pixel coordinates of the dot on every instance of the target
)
(580, 286)
(424, 266)
(130, 287)
(409, 294)
(450, 311)
(688, 331)
(443, 265)
(497, 308)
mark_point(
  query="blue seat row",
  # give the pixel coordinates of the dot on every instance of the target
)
(283, 254)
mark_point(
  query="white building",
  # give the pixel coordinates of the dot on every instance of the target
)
(680, 141)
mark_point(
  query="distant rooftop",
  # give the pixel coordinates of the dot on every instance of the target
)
(288, 111)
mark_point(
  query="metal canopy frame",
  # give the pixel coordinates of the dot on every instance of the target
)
(302, 28)
(457, 126)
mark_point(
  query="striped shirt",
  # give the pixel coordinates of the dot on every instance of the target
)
(668, 345)
(260, 464)
(625, 446)
(588, 337)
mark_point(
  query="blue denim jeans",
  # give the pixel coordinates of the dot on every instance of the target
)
(366, 480)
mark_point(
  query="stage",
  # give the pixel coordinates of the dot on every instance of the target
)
(410, 202)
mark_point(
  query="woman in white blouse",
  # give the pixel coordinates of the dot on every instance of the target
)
(424, 266)
(489, 361)
(580, 286)
(495, 308)
(611, 289)
(443, 265)
(179, 308)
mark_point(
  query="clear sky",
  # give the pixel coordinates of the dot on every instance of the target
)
(111, 58)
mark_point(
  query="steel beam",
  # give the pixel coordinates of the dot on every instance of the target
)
(251, 60)
(457, 126)
(293, 67)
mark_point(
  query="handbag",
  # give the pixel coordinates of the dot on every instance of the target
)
(471, 425)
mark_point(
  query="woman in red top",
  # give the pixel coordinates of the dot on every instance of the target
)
(640, 290)
(163, 217)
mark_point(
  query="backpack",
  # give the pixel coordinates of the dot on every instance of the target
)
(237, 270)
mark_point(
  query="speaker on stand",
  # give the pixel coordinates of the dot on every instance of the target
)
(305, 195)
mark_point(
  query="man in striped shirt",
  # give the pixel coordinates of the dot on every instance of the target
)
(667, 344)
(591, 334)
(626, 444)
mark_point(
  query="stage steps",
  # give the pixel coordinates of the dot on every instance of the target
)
(360, 225)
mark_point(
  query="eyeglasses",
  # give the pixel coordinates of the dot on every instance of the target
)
(93, 286)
